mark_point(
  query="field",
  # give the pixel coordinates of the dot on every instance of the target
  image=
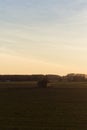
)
(61, 107)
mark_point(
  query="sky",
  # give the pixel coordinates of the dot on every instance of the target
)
(43, 36)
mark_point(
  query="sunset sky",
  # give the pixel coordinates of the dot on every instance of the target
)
(43, 36)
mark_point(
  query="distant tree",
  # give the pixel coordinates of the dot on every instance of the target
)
(76, 77)
(43, 82)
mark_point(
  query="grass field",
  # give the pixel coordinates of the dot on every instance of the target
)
(29, 108)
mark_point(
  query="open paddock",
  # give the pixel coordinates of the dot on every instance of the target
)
(30, 108)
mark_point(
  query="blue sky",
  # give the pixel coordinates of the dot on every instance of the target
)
(39, 36)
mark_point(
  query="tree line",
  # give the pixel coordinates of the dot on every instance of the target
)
(51, 78)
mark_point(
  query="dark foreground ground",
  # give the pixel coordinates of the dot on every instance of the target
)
(43, 108)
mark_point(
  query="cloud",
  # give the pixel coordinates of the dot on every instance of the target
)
(53, 31)
(41, 12)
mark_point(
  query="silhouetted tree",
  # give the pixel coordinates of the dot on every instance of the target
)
(43, 82)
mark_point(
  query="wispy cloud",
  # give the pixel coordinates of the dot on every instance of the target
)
(49, 30)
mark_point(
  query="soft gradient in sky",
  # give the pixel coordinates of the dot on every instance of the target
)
(43, 36)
